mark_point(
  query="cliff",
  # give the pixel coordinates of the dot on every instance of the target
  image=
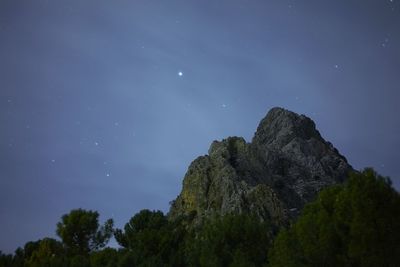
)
(284, 166)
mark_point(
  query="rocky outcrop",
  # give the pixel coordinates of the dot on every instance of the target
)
(284, 167)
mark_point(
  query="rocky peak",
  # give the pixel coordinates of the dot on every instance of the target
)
(280, 126)
(285, 166)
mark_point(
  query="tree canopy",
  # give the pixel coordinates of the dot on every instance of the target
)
(355, 224)
(231, 240)
(81, 233)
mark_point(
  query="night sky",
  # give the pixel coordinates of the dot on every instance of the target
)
(104, 104)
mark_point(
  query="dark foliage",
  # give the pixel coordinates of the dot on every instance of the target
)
(81, 233)
(354, 224)
(232, 240)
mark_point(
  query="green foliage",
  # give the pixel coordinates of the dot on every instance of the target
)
(29, 248)
(78, 261)
(81, 233)
(21, 254)
(107, 257)
(126, 259)
(142, 231)
(5, 259)
(232, 240)
(151, 240)
(356, 224)
(49, 253)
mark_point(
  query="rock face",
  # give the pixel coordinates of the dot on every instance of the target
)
(284, 167)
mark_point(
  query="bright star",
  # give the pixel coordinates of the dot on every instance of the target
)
(180, 73)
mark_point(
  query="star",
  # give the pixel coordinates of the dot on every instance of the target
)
(96, 143)
(223, 105)
(180, 73)
(107, 174)
(385, 42)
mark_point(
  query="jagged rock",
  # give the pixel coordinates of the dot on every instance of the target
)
(284, 167)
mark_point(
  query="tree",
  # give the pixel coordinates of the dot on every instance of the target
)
(355, 224)
(231, 240)
(5, 259)
(49, 253)
(107, 257)
(143, 235)
(81, 233)
(78, 261)
(21, 254)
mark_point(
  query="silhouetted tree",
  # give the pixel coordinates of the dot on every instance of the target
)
(356, 224)
(6, 260)
(231, 240)
(143, 236)
(78, 261)
(107, 257)
(81, 233)
(49, 253)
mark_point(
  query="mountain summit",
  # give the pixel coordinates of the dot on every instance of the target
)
(273, 177)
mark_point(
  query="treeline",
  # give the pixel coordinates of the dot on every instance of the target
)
(353, 224)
